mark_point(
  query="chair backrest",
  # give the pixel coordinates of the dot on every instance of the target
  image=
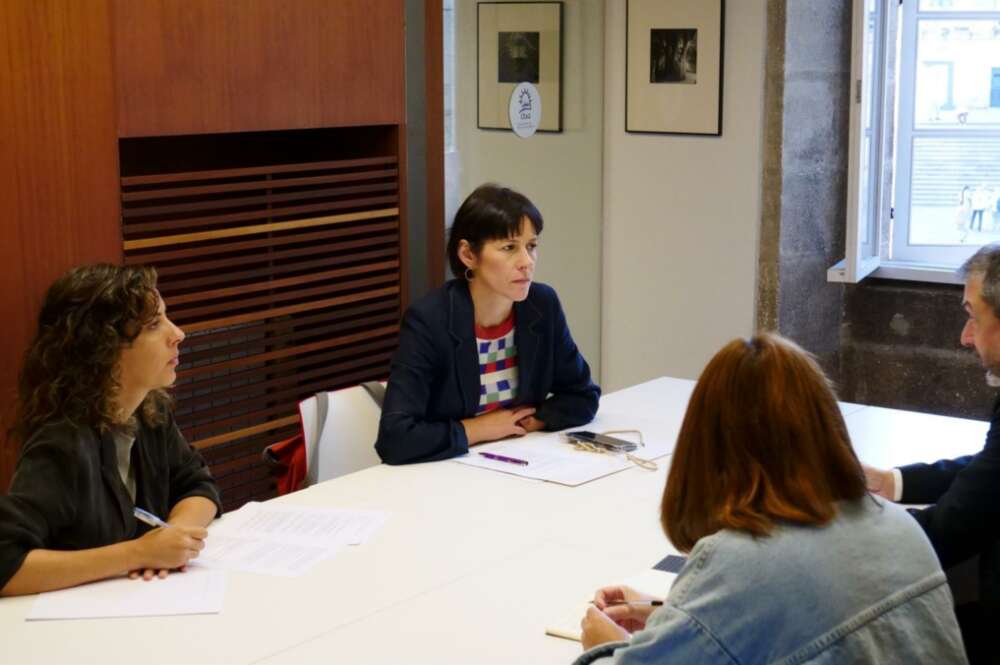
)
(345, 441)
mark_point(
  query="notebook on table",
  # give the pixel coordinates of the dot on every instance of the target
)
(655, 581)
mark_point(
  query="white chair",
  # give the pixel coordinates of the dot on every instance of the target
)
(340, 428)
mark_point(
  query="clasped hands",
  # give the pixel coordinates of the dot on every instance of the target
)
(613, 617)
(501, 424)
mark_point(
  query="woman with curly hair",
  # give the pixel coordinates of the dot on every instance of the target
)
(99, 440)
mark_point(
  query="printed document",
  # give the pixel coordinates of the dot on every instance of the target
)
(283, 540)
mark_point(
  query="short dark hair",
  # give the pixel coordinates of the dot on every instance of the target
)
(763, 441)
(986, 264)
(70, 370)
(491, 212)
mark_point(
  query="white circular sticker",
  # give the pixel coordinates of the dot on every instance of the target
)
(525, 110)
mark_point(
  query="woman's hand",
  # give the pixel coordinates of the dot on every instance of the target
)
(160, 550)
(531, 424)
(496, 425)
(599, 628)
(613, 602)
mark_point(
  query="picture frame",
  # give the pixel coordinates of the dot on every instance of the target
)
(674, 66)
(518, 42)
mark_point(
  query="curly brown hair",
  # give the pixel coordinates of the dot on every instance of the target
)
(70, 369)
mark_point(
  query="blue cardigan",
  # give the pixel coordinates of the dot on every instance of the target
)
(434, 377)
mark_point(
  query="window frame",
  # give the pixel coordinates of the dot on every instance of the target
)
(888, 226)
(871, 121)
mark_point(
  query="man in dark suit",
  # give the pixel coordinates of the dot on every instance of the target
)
(964, 518)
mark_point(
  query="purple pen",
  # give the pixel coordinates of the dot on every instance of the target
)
(504, 458)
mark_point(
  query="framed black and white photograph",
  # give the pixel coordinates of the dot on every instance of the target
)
(519, 42)
(673, 68)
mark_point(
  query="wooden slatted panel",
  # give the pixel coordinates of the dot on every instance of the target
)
(285, 278)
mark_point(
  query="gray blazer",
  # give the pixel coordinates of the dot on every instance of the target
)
(866, 588)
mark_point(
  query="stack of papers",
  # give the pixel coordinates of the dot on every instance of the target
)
(258, 538)
(284, 540)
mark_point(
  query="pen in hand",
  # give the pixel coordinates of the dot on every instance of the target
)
(149, 518)
(647, 601)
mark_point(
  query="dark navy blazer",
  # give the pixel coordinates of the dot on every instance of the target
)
(965, 518)
(434, 378)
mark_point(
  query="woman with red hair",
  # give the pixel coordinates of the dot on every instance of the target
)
(786, 562)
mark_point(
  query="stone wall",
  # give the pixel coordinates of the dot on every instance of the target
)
(805, 167)
(900, 348)
(885, 342)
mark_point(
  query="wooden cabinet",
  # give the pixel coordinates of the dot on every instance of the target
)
(208, 66)
(108, 101)
(58, 163)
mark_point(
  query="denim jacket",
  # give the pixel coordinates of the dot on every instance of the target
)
(866, 588)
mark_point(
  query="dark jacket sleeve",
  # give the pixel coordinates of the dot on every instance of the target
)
(189, 475)
(405, 433)
(926, 483)
(40, 501)
(966, 514)
(574, 395)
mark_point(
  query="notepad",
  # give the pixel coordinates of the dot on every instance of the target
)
(195, 591)
(655, 582)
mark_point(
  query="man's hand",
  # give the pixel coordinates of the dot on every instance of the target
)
(880, 482)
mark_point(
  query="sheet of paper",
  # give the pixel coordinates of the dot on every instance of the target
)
(195, 591)
(254, 555)
(549, 458)
(660, 402)
(651, 582)
(274, 539)
(312, 527)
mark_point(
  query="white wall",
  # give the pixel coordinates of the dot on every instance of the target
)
(560, 173)
(681, 216)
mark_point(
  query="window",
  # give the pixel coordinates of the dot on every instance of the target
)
(924, 189)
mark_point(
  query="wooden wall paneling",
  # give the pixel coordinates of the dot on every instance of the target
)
(279, 297)
(59, 166)
(403, 226)
(434, 81)
(205, 66)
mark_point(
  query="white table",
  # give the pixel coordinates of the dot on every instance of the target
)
(470, 568)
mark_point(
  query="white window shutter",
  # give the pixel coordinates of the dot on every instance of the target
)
(869, 185)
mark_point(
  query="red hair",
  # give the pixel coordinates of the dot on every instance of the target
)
(762, 440)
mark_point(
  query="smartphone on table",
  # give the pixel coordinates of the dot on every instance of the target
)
(602, 441)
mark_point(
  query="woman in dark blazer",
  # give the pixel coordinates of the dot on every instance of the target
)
(489, 355)
(99, 441)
